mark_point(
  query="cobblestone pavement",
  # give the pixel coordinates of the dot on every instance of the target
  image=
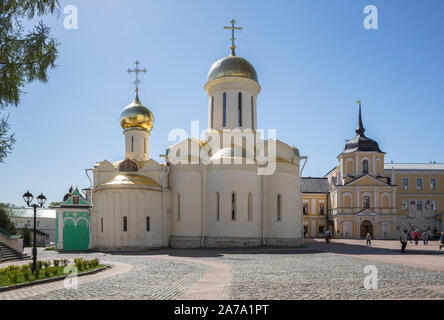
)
(316, 271)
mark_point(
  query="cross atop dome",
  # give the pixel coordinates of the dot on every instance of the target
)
(232, 28)
(137, 81)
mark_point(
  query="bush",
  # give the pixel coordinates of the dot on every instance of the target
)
(79, 263)
(24, 267)
(95, 262)
(26, 274)
(39, 265)
(85, 264)
(54, 270)
(13, 275)
(56, 263)
(64, 262)
(47, 264)
(47, 272)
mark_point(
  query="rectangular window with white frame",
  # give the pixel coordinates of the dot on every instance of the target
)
(433, 205)
(405, 183)
(433, 183)
(419, 184)
(419, 205)
(405, 205)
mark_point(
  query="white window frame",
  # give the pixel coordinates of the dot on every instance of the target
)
(405, 205)
(422, 184)
(436, 183)
(402, 182)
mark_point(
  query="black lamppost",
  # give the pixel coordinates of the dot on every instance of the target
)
(28, 197)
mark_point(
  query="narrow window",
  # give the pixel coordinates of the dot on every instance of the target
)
(125, 224)
(239, 109)
(321, 229)
(433, 183)
(101, 224)
(225, 110)
(321, 209)
(144, 145)
(419, 205)
(217, 206)
(418, 183)
(212, 111)
(366, 202)
(434, 205)
(250, 207)
(178, 206)
(405, 183)
(278, 205)
(75, 200)
(148, 224)
(365, 167)
(233, 206)
(305, 209)
(132, 144)
(252, 113)
(405, 205)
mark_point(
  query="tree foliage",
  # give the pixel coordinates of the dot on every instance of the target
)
(25, 55)
(5, 221)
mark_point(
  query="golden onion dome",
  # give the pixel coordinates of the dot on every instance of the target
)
(136, 115)
(232, 66)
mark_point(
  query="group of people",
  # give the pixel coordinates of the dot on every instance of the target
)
(405, 237)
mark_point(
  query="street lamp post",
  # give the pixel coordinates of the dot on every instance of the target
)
(28, 197)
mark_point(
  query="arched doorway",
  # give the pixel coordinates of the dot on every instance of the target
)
(366, 226)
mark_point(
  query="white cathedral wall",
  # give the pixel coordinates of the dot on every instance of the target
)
(136, 204)
(242, 180)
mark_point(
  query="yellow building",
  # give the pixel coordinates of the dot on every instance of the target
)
(362, 194)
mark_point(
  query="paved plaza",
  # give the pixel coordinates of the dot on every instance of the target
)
(316, 271)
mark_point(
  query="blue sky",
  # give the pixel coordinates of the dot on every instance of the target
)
(314, 59)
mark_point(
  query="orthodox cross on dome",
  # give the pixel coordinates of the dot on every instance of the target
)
(360, 129)
(233, 46)
(136, 70)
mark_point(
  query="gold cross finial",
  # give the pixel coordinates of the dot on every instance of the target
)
(137, 81)
(358, 102)
(233, 46)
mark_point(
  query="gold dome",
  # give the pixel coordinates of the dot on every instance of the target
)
(232, 66)
(136, 115)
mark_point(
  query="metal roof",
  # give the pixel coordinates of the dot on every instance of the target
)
(414, 166)
(314, 185)
(29, 213)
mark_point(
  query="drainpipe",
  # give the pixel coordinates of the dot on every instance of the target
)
(262, 207)
(301, 208)
(204, 193)
(91, 236)
(165, 174)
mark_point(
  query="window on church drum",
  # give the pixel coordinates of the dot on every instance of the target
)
(101, 224)
(239, 109)
(305, 209)
(233, 206)
(321, 209)
(279, 207)
(418, 183)
(75, 200)
(250, 207)
(433, 183)
(252, 112)
(148, 224)
(217, 206)
(367, 202)
(212, 111)
(405, 183)
(365, 167)
(144, 145)
(132, 144)
(125, 224)
(224, 124)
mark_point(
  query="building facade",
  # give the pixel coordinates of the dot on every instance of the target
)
(45, 224)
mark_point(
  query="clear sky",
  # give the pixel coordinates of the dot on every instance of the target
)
(314, 59)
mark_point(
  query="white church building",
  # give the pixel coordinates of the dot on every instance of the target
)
(231, 189)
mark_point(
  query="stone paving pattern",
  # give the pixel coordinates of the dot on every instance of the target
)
(317, 271)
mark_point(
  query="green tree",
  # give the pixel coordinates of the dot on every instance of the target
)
(25, 55)
(26, 236)
(5, 221)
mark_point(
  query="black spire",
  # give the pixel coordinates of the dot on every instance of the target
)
(360, 129)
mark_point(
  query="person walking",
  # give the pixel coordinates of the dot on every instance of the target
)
(327, 236)
(369, 239)
(404, 238)
(441, 240)
(416, 237)
(425, 238)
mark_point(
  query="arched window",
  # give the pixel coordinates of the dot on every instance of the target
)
(278, 207)
(178, 206)
(252, 112)
(233, 206)
(250, 207)
(217, 206)
(239, 109)
(224, 124)
(128, 166)
(132, 144)
(365, 167)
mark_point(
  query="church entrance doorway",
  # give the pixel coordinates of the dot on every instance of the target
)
(366, 227)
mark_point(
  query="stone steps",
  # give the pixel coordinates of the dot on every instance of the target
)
(8, 254)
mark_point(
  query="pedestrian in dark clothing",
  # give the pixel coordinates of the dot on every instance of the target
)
(403, 240)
